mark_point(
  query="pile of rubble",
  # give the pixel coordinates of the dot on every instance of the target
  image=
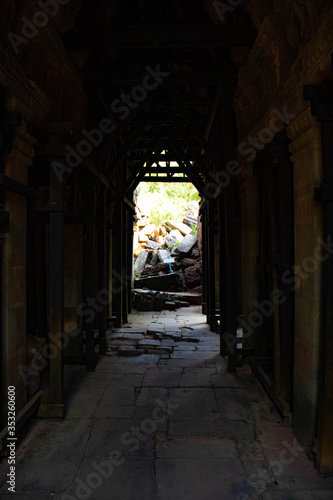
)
(168, 256)
(138, 342)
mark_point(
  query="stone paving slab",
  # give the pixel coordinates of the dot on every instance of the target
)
(227, 380)
(201, 478)
(193, 428)
(236, 429)
(131, 442)
(133, 479)
(118, 396)
(297, 495)
(196, 448)
(148, 395)
(162, 376)
(51, 445)
(193, 404)
(127, 379)
(25, 496)
(196, 377)
(114, 412)
(233, 404)
(79, 405)
(182, 362)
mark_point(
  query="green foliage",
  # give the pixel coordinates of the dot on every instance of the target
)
(175, 244)
(195, 230)
(165, 200)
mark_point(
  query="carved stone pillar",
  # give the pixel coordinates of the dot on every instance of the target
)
(14, 266)
(305, 134)
(248, 192)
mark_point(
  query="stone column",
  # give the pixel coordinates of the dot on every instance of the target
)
(73, 292)
(14, 267)
(248, 192)
(306, 149)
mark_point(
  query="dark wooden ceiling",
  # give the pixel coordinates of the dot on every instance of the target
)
(114, 42)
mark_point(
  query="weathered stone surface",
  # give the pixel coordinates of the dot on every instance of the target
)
(143, 238)
(190, 221)
(158, 268)
(192, 276)
(171, 306)
(148, 343)
(177, 234)
(186, 262)
(163, 254)
(153, 245)
(162, 377)
(187, 244)
(195, 254)
(155, 259)
(170, 240)
(148, 230)
(163, 282)
(158, 350)
(130, 351)
(183, 228)
(141, 261)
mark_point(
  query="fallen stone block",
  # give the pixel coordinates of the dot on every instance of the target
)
(183, 228)
(159, 350)
(187, 244)
(154, 260)
(192, 276)
(177, 337)
(148, 230)
(187, 337)
(115, 344)
(161, 283)
(148, 343)
(133, 336)
(158, 268)
(143, 238)
(141, 261)
(152, 245)
(170, 240)
(190, 221)
(163, 254)
(186, 262)
(171, 306)
(177, 234)
(195, 254)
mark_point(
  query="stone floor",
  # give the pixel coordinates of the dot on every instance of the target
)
(164, 426)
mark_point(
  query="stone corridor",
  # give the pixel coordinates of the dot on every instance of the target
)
(164, 426)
